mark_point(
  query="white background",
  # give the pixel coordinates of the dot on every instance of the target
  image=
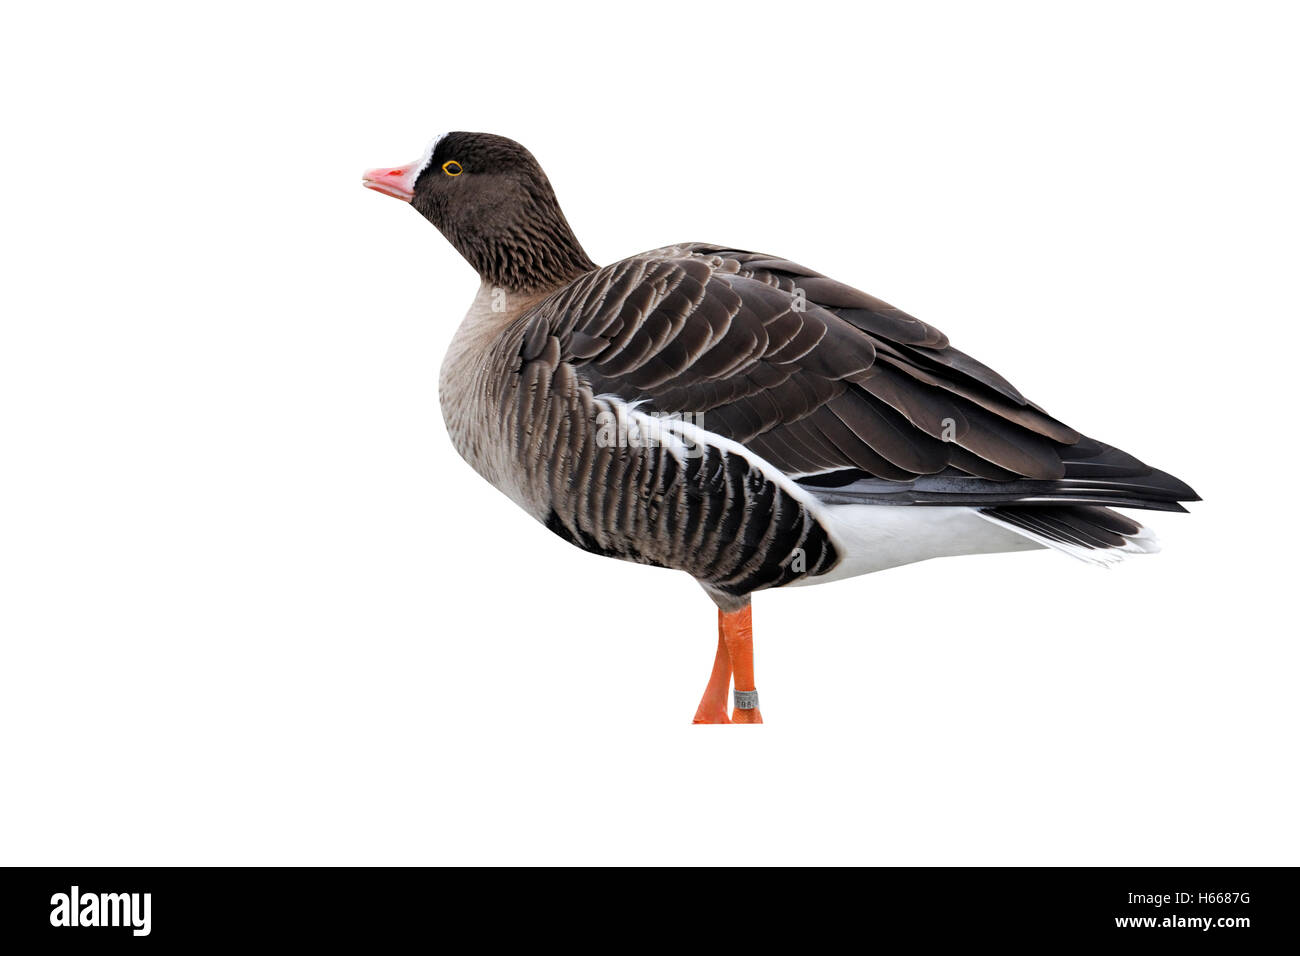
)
(256, 610)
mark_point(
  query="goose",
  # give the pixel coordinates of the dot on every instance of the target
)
(738, 416)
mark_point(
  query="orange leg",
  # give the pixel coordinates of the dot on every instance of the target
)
(713, 705)
(738, 634)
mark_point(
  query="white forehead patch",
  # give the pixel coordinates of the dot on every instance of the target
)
(428, 156)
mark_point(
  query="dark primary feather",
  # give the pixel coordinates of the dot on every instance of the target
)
(1081, 526)
(859, 400)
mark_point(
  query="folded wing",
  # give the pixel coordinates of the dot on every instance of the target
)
(846, 394)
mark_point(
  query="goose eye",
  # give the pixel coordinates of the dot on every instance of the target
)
(452, 168)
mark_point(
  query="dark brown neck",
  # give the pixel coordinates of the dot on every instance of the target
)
(528, 260)
(530, 249)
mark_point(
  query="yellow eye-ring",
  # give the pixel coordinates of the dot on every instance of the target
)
(452, 168)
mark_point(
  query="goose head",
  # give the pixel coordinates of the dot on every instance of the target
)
(490, 198)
